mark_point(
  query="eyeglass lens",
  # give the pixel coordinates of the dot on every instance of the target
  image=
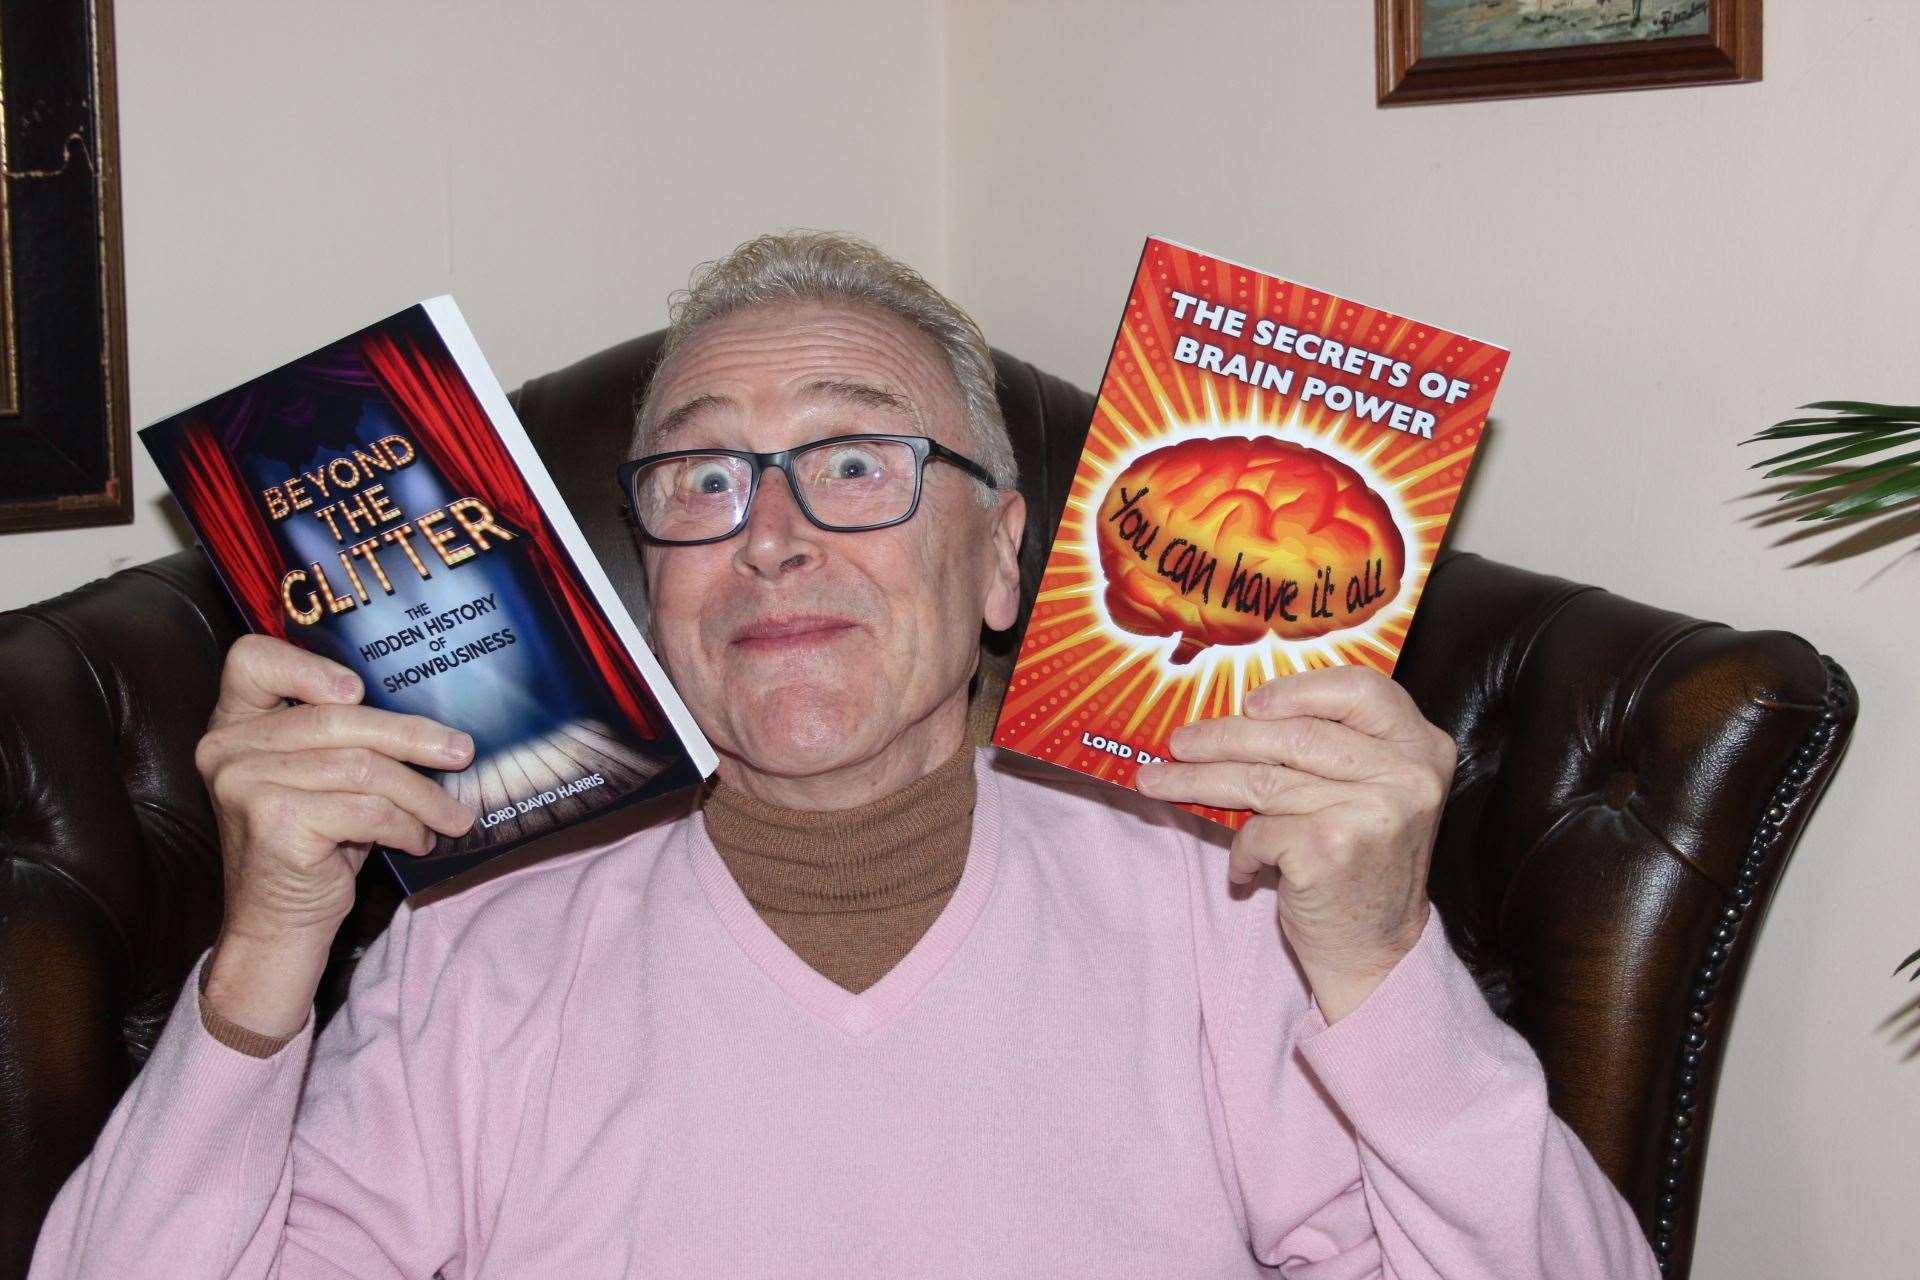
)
(846, 484)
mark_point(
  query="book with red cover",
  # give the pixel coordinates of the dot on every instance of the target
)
(1268, 476)
(377, 501)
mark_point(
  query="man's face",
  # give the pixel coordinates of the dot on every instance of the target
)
(802, 651)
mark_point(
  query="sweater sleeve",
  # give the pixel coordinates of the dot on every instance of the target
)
(308, 1162)
(1411, 1140)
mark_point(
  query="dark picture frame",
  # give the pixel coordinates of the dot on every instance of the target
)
(64, 440)
(1728, 52)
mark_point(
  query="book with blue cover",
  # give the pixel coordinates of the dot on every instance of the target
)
(378, 502)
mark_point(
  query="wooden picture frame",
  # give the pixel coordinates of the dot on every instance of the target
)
(64, 440)
(1564, 49)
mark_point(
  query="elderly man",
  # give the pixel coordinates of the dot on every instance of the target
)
(875, 1003)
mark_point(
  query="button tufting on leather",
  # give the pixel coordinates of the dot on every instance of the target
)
(1619, 789)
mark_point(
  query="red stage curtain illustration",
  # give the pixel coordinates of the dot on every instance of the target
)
(224, 512)
(434, 398)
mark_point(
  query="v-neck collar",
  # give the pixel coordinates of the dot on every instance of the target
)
(859, 1013)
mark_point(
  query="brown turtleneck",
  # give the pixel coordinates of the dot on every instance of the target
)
(850, 890)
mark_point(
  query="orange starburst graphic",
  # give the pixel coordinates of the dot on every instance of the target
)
(1369, 421)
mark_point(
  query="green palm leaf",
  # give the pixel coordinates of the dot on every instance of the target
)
(1807, 457)
(1890, 492)
(1852, 475)
(1845, 438)
(1801, 427)
(1867, 409)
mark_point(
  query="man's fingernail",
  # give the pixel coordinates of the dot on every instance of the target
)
(346, 686)
(456, 746)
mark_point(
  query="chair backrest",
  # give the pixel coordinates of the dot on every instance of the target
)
(1630, 783)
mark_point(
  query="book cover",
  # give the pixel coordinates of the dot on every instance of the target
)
(378, 502)
(1268, 476)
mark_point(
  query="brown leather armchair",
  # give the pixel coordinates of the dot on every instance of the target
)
(1630, 784)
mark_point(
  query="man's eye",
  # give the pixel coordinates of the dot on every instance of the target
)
(849, 462)
(707, 477)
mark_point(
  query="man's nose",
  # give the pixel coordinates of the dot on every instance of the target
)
(778, 539)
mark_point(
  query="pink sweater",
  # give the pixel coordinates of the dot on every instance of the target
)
(1099, 1061)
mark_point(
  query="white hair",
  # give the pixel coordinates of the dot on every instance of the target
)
(828, 266)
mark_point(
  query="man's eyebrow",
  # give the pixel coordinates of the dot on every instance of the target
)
(865, 395)
(679, 417)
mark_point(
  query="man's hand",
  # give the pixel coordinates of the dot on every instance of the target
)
(1346, 780)
(301, 794)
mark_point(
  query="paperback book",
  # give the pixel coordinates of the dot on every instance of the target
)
(1268, 476)
(378, 502)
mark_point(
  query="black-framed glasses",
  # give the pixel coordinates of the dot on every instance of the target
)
(844, 484)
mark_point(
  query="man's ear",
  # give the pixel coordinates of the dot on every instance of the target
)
(1009, 524)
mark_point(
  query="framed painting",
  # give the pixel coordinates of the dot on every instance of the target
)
(63, 367)
(1456, 50)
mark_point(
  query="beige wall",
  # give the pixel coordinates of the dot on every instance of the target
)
(292, 171)
(1672, 270)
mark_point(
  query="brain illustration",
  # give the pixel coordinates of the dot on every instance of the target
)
(1222, 541)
